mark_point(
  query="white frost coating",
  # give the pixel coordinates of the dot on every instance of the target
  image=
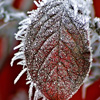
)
(38, 95)
(25, 21)
(20, 35)
(97, 20)
(37, 4)
(15, 58)
(20, 74)
(19, 53)
(19, 46)
(41, 3)
(31, 90)
(22, 63)
(44, 98)
(28, 82)
(24, 25)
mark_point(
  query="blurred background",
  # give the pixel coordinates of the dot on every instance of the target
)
(13, 11)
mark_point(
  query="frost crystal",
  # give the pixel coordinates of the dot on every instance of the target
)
(55, 48)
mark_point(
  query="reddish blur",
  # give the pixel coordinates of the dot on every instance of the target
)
(9, 91)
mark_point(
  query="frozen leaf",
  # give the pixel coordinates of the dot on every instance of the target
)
(55, 48)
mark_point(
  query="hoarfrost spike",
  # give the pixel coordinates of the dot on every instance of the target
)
(28, 82)
(19, 46)
(37, 4)
(31, 90)
(26, 21)
(17, 57)
(38, 95)
(20, 74)
(22, 63)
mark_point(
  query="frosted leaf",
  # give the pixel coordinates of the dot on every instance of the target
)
(56, 49)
